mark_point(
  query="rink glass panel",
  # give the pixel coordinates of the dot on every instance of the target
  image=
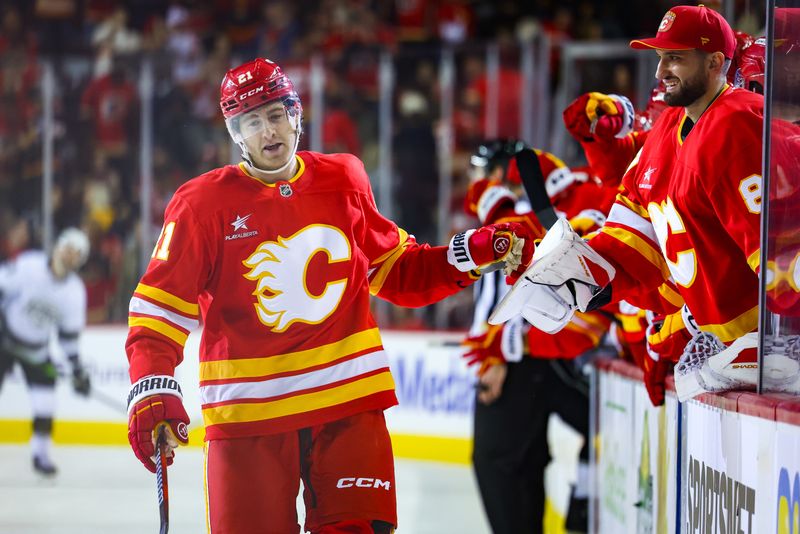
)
(782, 275)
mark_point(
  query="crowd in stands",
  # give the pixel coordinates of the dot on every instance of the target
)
(96, 49)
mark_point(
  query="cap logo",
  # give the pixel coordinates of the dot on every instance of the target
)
(704, 40)
(666, 22)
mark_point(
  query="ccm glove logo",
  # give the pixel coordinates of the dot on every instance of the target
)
(363, 482)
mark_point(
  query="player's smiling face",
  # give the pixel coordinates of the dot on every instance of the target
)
(269, 135)
(684, 74)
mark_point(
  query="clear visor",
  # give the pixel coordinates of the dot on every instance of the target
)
(277, 116)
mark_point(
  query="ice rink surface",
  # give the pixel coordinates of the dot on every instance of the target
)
(105, 490)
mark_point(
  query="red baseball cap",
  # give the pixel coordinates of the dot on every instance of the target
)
(690, 27)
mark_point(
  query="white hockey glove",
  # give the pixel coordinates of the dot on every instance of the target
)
(565, 275)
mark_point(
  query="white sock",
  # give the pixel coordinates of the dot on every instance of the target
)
(40, 446)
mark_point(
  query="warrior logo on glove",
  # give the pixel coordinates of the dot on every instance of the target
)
(509, 243)
(501, 245)
(182, 431)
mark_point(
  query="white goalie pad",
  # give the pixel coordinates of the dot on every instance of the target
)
(558, 282)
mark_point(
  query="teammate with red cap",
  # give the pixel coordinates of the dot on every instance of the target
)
(278, 256)
(689, 210)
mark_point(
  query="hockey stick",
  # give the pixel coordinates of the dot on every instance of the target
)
(103, 398)
(530, 172)
(161, 479)
(445, 344)
(109, 401)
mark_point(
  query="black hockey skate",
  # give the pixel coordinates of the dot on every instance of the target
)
(44, 466)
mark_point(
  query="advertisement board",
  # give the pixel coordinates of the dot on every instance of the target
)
(656, 436)
(722, 463)
(434, 386)
(616, 473)
(785, 503)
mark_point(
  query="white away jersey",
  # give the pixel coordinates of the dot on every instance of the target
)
(34, 304)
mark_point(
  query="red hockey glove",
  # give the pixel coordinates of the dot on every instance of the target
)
(499, 344)
(667, 336)
(153, 401)
(655, 372)
(598, 114)
(485, 198)
(511, 243)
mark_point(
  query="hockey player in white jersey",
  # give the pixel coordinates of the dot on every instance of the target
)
(42, 295)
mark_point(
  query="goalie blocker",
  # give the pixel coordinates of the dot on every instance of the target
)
(566, 275)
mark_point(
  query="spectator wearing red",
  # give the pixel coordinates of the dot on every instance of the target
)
(109, 101)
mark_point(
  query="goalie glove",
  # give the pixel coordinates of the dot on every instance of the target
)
(566, 275)
(499, 344)
(486, 198)
(599, 115)
(511, 243)
(152, 402)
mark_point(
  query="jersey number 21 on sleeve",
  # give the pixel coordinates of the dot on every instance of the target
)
(161, 250)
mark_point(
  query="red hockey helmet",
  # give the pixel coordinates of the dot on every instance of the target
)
(743, 42)
(253, 84)
(750, 72)
(644, 120)
(250, 86)
(557, 176)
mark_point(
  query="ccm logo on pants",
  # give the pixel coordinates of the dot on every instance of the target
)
(349, 482)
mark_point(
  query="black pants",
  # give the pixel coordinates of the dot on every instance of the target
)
(510, 440)
(43, 374)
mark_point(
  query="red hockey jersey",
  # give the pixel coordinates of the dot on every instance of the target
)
(281, 277)
(609, 158)
(690, 208)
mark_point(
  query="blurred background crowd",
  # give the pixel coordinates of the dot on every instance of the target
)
(95, 50)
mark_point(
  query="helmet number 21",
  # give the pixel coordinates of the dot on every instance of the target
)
(245, 76)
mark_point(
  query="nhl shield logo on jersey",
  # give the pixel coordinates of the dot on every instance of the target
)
(285, 190)
(666, 22)
(280, 269)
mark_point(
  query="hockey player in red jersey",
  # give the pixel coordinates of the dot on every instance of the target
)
(689, 209)
(611, 132)
(278, 257)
